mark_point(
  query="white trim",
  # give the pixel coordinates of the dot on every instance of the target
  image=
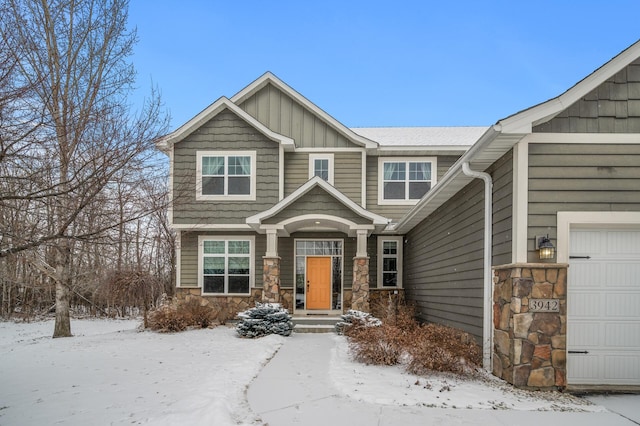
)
(405, 202)
(456, 148)
(331, 149)
(212, 226)
(253, 177)
(171, 189)
(568, 219)
(281, 173)
(322, 156)
(585, 138)
(166, 142)
(252, 261)
(520, 202)
(178, 249)
(399, 255)
(363, 180)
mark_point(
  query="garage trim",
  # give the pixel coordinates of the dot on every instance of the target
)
(568, 219)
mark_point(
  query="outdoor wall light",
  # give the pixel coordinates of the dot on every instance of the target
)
(545, 248)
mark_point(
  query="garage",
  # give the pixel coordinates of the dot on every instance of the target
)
(603, 306)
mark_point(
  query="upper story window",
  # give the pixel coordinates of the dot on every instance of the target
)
(321, 165)
(405, 180)
(226, 175)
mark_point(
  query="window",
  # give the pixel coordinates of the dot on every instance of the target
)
(226, 264)
(226, 175)
(321, 165)
(390, 262)
(403, 180)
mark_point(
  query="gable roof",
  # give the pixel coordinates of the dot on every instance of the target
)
(459, 138)
(507, 132)
(270, 78)
(166, 142)
(256, 220)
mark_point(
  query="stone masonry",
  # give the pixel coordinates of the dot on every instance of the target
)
(271, 280)
(530, 346)
(360, 288)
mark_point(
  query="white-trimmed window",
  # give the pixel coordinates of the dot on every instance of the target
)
(225, 264)
(226, 175)
(389, 262)
(404, 180)
(321, 165)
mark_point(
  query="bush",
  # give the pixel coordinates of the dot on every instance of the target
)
(265, 318)
(358, 318)
(400, 339)
(186, 314)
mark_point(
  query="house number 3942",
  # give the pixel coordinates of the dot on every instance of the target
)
(544, 305)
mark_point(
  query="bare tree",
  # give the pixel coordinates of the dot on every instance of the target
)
(73, 55)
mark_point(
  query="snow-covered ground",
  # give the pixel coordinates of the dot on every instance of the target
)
(110, 372)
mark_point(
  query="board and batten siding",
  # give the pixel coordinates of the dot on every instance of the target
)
(347, 172)
(284, 115)
(189, 256)
(225, 132)
(395, 212)
(579, 177)
(443, 255)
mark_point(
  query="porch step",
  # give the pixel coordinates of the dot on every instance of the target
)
(314, 324)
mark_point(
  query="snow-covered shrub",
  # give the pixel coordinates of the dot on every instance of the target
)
(358, 318)
(265, 318)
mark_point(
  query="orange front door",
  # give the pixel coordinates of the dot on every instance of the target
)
(318, 283)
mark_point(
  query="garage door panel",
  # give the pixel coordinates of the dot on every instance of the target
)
(585, 305)
(622, 335)
(586, 241)
(589, 275)
(623, 305)
(622, 274)
(585, 334)
(622, 368)
(585, 367)
(623, 243)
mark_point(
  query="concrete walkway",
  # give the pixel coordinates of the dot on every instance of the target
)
(294, 388)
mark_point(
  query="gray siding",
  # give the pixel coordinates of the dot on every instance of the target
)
(347, 173)
(579, 177)
(225, 132)
(443, 255)
(317, 200)
(189, 257)
(390, 211)
(280, 113)
(502, 209)
(613, 107)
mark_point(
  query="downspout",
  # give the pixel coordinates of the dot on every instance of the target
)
(487, 328)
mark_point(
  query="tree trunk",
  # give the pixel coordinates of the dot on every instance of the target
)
(63, 319)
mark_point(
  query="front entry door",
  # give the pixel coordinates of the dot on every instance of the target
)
(318, 282)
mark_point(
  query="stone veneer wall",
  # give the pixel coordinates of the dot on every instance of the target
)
(271, 280)
(234, 304)
(530, 347)
(360, 287)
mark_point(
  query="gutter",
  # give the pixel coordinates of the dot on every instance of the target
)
(487, 329)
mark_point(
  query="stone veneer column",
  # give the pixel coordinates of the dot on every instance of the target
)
(530, 347)
(360, 288)
(271, 280)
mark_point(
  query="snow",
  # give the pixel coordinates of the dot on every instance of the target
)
(110, 372)
(422, 136)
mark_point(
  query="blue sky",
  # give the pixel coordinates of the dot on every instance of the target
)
(380, 63)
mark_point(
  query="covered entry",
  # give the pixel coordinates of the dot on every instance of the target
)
(603, 306)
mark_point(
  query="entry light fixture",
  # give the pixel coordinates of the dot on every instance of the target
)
(545, 248)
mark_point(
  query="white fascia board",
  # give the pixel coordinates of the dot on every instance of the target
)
(211, 111)
(256, 219)
(384, 149)
(269, 77)
(211, 227)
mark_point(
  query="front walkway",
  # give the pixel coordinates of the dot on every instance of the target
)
(294, 388)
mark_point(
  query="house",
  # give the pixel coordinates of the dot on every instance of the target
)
(275, 200)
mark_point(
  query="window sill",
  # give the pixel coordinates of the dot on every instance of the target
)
(225, 198)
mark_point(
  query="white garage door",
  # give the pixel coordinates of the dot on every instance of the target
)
(603, 307)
